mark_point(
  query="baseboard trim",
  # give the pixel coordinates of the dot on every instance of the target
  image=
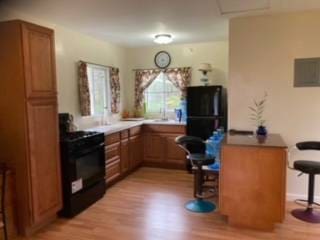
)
(292, 197)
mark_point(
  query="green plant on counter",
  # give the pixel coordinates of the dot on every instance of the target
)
(257, 111)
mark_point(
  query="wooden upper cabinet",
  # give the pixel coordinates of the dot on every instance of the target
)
(39, 61)
(45, 178)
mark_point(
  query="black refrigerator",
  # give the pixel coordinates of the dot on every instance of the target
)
(206, 110)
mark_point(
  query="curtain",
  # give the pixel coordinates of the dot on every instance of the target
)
(143, 79)
(180, 78)
(115, 90)
(85, 106)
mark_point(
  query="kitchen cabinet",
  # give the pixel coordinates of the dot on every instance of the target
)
(123, 153)
(154, 147)
(160, 147)
(173, 155)
(28, 104)
(124, 156)
(148, 145)
(125, 161)
(112, 160)
(135, 148)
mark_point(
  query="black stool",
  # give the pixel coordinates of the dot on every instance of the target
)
(198, 160)
(311, 168)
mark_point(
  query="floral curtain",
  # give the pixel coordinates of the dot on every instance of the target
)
(180, 78)
(85, 106)
(115, 90)
(143, 79)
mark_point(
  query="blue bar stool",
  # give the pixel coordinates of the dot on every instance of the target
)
(198, 160)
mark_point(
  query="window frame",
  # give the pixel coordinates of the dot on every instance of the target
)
(164, 96)
(107, 92)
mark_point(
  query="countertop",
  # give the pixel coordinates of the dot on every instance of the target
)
(271, 140)
(123, 125)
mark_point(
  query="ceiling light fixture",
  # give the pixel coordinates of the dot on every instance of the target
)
(162, 38)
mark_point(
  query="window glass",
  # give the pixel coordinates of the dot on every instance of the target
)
(162, 96)
(99, 89)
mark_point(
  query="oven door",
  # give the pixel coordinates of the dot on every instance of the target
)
(89, 168)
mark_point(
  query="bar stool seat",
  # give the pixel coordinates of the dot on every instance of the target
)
(309, 167)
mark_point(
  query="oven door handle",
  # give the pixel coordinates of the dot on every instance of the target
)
(88, 151)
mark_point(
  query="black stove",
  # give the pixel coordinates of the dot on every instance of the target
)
(83, 169)
(77, 135)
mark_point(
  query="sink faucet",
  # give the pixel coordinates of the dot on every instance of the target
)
(164, 117)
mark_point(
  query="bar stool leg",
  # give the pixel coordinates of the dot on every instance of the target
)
(309, 214)
(311, 190)
(199, 205)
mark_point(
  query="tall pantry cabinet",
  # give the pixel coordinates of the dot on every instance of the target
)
(29, 137)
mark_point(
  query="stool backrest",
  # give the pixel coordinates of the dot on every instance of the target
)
(309, 145)
(186, 142)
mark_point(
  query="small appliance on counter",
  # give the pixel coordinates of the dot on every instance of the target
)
(83, 167)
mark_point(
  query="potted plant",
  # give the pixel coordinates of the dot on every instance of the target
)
(256, 115)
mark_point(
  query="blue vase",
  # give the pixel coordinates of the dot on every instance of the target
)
(183, 107)
(262, 131)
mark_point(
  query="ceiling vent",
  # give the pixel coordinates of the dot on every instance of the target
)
(237, 6)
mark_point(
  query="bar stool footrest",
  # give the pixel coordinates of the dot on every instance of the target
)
(304, 203)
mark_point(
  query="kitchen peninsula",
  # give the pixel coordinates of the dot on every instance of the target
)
(253, 180)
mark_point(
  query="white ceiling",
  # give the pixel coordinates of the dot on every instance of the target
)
(133, 23)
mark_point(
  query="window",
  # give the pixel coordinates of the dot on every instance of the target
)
(161, 96)
(99, 86)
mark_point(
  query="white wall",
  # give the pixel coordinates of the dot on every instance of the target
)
(71, 47)
(182, 55)
(262, 52)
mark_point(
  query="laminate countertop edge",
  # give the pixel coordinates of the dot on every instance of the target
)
(124, 125)
(270, 141)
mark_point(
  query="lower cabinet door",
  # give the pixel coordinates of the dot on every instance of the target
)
(153, 148)
(44, 157)
(113, 170)
(124, 156)
(173, 153)
(135, 151)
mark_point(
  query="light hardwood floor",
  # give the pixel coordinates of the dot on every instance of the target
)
(149, 205)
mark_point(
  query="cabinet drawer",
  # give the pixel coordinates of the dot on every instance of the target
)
(152, 128)
(135, 131)
(113, 170)
(112, 138)
(124, 134)
(112, 151)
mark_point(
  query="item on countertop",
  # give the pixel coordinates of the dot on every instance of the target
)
(138, 113)
(257, 115)
(178, 114)
(133, 119)
(183, 107)
(213, 147)
(125, 114)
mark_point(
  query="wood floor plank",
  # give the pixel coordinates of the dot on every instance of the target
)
(149, 205)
